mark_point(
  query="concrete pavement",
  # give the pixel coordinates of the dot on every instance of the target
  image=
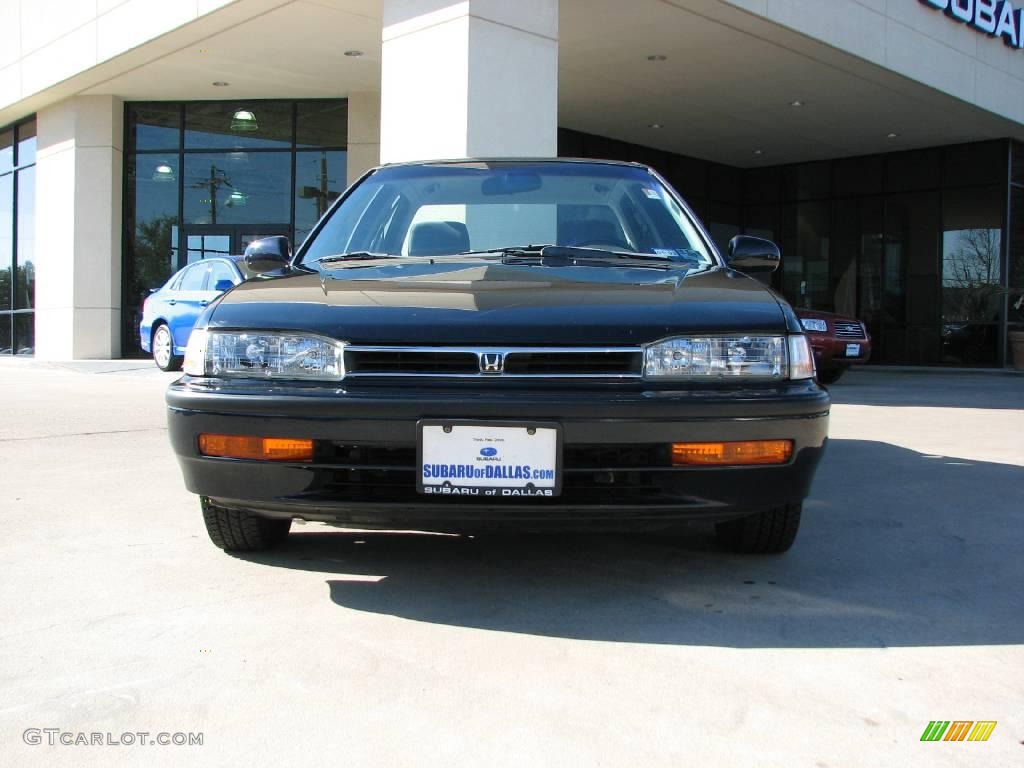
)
(900, 603)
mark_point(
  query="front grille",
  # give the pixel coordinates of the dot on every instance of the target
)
(426, 363)
(592, 474)
(492, 362)
(849, 330)
(562, 363)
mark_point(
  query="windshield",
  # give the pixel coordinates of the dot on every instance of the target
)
(449, 208)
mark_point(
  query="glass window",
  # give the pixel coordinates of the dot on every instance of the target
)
(6, 239)
(194, 278)
(906, 171)
(813, 241)
(1016, 298)
(967, 164)
(6, 150)
(219, 271)
(153, 223)
(726, 183)
(6, 344)
(24, 333)
(205, 246)
(762, 185)
(971, 274)
(26, 143)
(807, 181)
(238, 124)
(319, 180)
(1018, 163)
(238, 187)
(154, 126)
(724, 225)
(857, 176)
(25, 282)
(322, 124)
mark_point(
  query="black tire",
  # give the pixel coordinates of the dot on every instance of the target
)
(765, 533)
(235, 530)
(165, 359)
(831, 375)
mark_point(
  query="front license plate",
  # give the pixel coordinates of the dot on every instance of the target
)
(489, 460)
(853, 350)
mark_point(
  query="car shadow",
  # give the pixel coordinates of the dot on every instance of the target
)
(929, 389)
(896, 549)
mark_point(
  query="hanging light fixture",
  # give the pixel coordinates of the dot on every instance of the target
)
(236, 199)
(244, 121)
(163, 173)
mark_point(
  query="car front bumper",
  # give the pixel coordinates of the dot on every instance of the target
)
(615, 449)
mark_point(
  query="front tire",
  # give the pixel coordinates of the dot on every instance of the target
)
(765, 533)
(831, 375)
(162, 345)
(235, 530)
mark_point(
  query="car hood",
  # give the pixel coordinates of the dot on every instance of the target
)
(475, 300)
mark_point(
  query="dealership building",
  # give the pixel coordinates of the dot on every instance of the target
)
(879, 142)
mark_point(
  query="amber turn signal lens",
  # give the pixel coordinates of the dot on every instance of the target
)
(260, 448)
(732, 454)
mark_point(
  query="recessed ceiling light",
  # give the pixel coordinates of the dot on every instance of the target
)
(654, 125)
(796, 103)
(657, 57)
(893, 136)
(354, 53)
(220, 83)
(758, 152)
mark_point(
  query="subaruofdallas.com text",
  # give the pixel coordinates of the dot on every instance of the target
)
(59, 737)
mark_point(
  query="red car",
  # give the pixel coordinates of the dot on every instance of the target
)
(837, 341)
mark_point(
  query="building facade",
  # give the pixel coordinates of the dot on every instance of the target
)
(879, 142)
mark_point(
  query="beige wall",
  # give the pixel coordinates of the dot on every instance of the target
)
(78, 229)
(48, 41)
(910, 39)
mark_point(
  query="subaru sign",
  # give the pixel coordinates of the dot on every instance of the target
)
(995, 18)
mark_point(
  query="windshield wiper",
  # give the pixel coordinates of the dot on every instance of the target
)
(585, 252)
(355, 256)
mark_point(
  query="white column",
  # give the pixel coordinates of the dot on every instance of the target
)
(78, 229)
(363, 133)
(477, 78)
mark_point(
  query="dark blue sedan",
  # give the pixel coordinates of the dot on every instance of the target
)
(169, 313)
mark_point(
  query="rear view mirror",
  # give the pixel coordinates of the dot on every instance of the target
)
(223, 285)
(753, 254)
(268, 254)
(511, 183)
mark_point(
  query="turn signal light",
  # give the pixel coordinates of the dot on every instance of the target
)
(732, 454)
(260, 448)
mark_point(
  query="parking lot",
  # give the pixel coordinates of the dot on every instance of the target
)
(900, 603)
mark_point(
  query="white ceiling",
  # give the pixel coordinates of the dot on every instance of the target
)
(723, 91)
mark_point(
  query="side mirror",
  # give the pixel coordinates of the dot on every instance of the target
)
(753, 254)
(223, 285)
(268, 254)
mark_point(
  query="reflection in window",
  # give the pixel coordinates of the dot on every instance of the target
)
(6, 240)
(971, 272)
(237, 188)
(154, 126)
(238, 124)
(322, 124)
(25, 282)
(319, 181)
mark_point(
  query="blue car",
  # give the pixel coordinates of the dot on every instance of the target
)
(169, 313)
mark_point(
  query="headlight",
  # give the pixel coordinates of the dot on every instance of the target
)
(264, 355)
(811, 324)
(762, 357)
